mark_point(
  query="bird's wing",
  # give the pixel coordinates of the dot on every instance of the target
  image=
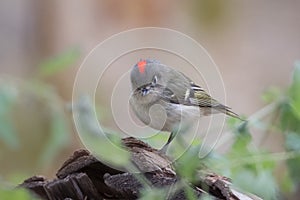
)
(196, 96)
(200, 98)
(191, 96)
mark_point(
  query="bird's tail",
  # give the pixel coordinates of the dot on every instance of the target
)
(227, 110)
(230, 113)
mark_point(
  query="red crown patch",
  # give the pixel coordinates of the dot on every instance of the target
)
(141, 65)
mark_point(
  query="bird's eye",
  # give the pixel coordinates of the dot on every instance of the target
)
(154, 80)
(145, 91)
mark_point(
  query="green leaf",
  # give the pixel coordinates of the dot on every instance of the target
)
(59, 136)
(189, 193)
(238, 127)
(295, 90)
(294, 166)
(205, 196)
(271, 94)
(292, 141)
(188, 164)
(286, 184)
(7, 130)
(58, 125)
(240, 145)
(108, 147)
(59, 63)
(157, 140)
(288, 121)
(153, 193)
(15, 194)
(261, 183)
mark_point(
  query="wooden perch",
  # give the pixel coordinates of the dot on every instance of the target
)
(84, 177)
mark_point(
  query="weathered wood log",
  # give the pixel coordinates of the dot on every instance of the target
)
(83, 176)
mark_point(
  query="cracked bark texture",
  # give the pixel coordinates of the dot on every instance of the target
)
(84, 177)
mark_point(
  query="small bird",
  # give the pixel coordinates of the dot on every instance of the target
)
(183, 101)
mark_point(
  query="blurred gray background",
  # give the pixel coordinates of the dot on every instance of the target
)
(254, 43)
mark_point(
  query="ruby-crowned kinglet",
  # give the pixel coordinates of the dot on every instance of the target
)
(181, 99)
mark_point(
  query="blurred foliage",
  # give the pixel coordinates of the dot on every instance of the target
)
(15, 194)
(7, 131)
(107, 146)
(153, 193)
(34, 128)
(210, 13)
(31, 114)
(58, 63)
(252, 167)
(58, 125)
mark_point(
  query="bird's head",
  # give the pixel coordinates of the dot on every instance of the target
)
(145, 74)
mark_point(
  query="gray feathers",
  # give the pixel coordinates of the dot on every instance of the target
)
(172, 87)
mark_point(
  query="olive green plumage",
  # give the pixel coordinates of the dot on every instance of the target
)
(183, 101)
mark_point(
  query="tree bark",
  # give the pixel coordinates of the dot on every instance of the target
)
(84, 177)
